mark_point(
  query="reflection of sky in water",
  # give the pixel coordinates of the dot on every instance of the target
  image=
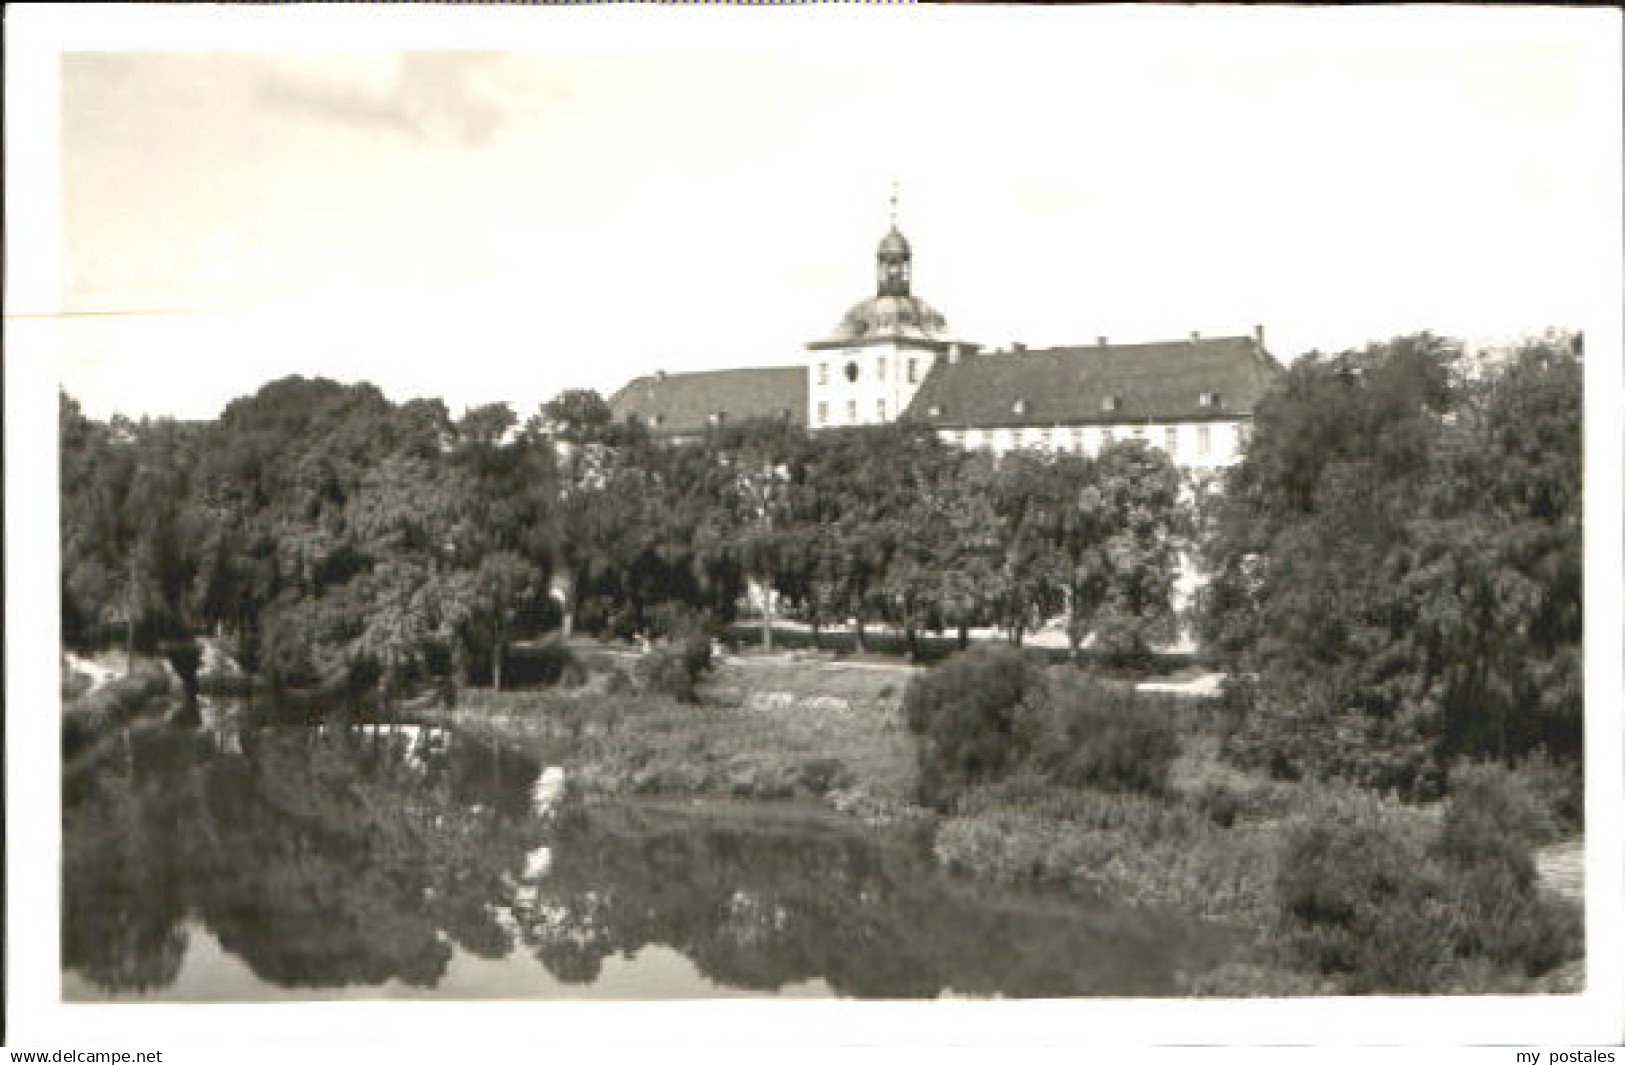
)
(209, 974)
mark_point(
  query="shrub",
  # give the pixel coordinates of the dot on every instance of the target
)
(1492, 820)
(1086, 734)
(1558, 787)
(674, 669)
(1393, 912)
(1304, 728)
(964, 711)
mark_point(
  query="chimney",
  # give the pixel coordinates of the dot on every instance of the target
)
(1101, 342)
(660, 375)
(1016, 347)
(1258, 336)
(1195, 336)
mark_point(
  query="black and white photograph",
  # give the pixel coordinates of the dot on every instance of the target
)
(827, 515)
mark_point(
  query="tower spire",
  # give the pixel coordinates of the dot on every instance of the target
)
(893, 258)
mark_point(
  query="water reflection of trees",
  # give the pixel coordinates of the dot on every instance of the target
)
(762, 905)
(320, 860)
(324, 860)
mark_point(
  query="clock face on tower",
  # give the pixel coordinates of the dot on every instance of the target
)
(851, 371)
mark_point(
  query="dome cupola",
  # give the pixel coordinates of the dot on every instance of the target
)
(893, 264)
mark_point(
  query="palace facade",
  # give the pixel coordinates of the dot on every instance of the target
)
(892, 358)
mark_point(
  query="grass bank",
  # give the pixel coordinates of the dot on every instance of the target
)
(765, 727)
(1342, 890)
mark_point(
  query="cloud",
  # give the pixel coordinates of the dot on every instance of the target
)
(466, 97)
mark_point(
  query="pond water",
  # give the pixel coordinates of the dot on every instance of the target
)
(351, 863)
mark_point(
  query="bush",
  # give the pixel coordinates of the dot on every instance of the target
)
(1558, 787)
(1391, 911)
(1086, 734)
(675, 667)
(990, 711)
(665, 671)
(1493, 820)
(964, 711)
(1302, 728)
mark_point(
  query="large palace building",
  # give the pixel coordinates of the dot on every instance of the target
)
(892, 358)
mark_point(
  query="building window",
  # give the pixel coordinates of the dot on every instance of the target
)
(880, 409)
(852, 371)
(1110, 402)
(823, 373)
(934, 411)
(1077, 441)
(880, 367)
(1139, 432)
(657, 419)
(1044, 440)
(1107, 436)
(1170, 439)
(852, 411)
(1019, 407)
(1244, 433)
(823, 413)
(1204, 440)
(1015, 439)
(913, 370)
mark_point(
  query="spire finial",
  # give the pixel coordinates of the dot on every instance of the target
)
(894, 203)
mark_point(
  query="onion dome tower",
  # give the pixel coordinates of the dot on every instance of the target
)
(869, 368)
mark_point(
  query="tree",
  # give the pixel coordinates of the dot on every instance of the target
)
(1397, 561)
(1121, 539)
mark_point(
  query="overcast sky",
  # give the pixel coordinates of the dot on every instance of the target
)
(591, 200)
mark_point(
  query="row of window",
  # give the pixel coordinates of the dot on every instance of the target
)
(851, 411)
(1079, 439)
(911, 370)
(1022, 405)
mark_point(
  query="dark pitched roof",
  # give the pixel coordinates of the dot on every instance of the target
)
(686, 402)
(1150, 382)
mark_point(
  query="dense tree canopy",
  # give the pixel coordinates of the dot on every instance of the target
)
(348, 541)
(1397, 561)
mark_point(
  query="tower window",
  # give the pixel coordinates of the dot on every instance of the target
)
(1204, 440)
(852, 371)
(823, 373)
(880, 367)
(913, 371)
